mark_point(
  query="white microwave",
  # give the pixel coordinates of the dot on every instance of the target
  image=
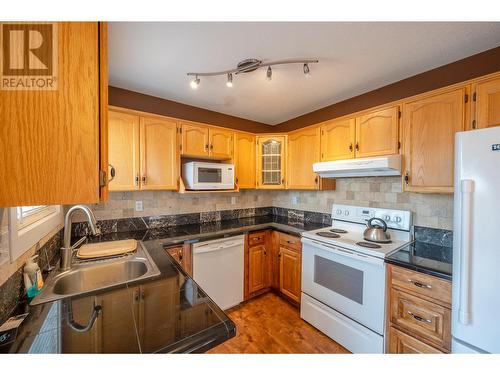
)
(208, 176)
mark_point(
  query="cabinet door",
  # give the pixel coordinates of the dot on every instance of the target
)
(303, 152)
(195, 140)
(257, 275)
(271, 164)
(73, 341)
(290, 272)
(159, 157)
(377, 133)
(49, 139)
(244, 160)
(429, 127)
(488, 104)
(221, 143)
(158, 316)
(401, 343)
(337, 139)
(123, 154)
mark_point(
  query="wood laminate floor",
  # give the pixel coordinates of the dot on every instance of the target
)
(269, 324)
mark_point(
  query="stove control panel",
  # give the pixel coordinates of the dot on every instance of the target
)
(395, 219)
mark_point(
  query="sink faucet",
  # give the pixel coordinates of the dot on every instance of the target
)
(67, 249)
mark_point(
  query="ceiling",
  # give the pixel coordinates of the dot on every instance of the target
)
(153, 58)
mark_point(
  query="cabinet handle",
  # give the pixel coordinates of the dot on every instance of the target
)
(419, 284)
(350, 147)
(206, 147)
(282, 180)
(265, 252)
(112, 173)
(211, 147)
(407, 178)
(180, 255)
(357, 146)
(419, 318)
(279, 254)
(316, 180)
(144, 180)
(291, 242)
(136, 180)
(256, 238)
(143, 294)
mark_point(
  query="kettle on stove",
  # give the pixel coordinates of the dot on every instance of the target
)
(375, 232)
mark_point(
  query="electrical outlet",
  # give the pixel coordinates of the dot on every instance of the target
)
(233, 200)
(138, 206)
(295, 200)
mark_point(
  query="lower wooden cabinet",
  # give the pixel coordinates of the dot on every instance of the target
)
(401, 343)
(273, 260)
(183, 256)
(419, 312)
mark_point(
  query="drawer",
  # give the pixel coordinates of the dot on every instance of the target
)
(292, 242)
(256, 238)
(423, 318)
(401, 343)
(424, 285)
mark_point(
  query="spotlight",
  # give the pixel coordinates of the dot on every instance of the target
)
(306, 71)
(269, 74)
(194, 83)
(229, 82)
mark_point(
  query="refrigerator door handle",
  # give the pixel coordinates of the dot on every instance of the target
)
(464, 313)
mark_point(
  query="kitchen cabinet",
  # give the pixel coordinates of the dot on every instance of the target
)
(271, 163)
(199, 140)
(337, 139)
(257, 268)
(377, 133)
(419, 312)
(487, 102)
(159, 155)
(290, 273)
(244, 160)
(182, 254)
(123, 146)
(429, 127)
(58, 132)
(143, 152)
(303, 152)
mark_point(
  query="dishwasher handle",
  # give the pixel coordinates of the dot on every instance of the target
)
(210, 247)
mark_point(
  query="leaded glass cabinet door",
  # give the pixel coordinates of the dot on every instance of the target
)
(271, 162)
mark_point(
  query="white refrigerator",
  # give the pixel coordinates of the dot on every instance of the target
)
(476, 243)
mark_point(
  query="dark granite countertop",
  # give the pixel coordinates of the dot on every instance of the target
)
(166, 314)
(423, 257)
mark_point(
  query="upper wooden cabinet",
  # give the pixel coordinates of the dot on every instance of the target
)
(429, 127)
(159, 155)
(200, 140)
(195, 141)
(123, 146)
(143, 152)
(221, 143)
(303, 152)
(50, 139)
(337, 139)
(377, 133)
(244, 160)
(487, 95)
(271, 164)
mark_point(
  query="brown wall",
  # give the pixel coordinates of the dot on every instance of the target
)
(152, 104)
(483, 63)
(462, 70)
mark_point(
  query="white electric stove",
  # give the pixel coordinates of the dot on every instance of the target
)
(343, 276)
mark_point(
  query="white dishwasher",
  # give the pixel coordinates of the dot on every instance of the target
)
(218, 269)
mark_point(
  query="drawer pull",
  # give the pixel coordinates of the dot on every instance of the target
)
(256, 238)
(291, 242)
(419, 318)
(419, 284)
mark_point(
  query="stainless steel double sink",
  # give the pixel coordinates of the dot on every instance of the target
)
(93, 275)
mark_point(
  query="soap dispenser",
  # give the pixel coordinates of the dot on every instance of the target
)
(33, 281)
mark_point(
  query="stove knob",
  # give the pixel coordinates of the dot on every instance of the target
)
(387, 218)
(339, 212)
(346, 212)
(398, 219)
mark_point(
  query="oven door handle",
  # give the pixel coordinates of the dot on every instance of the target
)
(345, 252)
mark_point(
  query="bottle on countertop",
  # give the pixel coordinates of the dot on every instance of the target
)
(33, 281)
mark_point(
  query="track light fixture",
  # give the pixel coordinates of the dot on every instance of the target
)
(269, 74)
(306, 70)
(195, 82)
(250, 65)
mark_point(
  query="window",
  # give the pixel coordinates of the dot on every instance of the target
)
(29, 224)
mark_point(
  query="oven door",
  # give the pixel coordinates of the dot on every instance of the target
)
(350, 283)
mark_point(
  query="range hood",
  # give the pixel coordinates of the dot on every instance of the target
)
(375, 166)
